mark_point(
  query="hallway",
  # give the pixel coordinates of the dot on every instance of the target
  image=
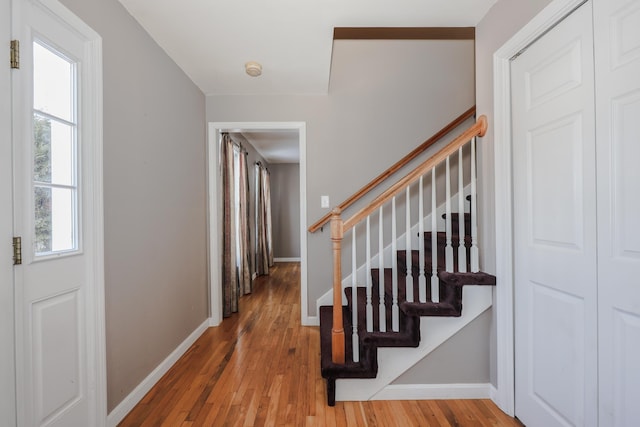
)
(261, 367)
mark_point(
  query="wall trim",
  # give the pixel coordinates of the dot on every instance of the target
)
(404, 33)
(504, 396)
(293, 259)
(313, 321)
(493, 392)
(129, 402)
(433, 391)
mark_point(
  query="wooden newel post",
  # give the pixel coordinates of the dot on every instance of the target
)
(337, 329)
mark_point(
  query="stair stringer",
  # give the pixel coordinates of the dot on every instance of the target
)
(393, 362)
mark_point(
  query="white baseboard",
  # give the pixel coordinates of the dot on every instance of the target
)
(493, 393)
(433, 391)
(121, 411)
(311, 321)
(287, 259)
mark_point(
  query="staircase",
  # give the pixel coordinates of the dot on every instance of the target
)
(408, 278)
(408, 335)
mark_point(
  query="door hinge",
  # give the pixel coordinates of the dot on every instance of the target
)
(15, 54)
(17, 250)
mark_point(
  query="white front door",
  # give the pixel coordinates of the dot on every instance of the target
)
(617, 31)
(57, 213)
(555, 270)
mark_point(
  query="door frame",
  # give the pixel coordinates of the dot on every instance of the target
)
(92, 112)
(7, 341)
(552, 14)
(214, 217)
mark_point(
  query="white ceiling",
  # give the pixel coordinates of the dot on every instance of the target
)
(275, 146)
(211, 40)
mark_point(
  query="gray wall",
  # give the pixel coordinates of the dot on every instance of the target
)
(154, 189)
(385, 98)
(285, 209)
(502, 21)
(470, 366)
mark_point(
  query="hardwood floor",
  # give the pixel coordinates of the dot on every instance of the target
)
(261, 367)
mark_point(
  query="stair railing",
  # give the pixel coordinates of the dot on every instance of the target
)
(396, 167)
(425, 273)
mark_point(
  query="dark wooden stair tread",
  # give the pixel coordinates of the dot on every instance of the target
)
(441, 309)
(367, 367)
(462, 279)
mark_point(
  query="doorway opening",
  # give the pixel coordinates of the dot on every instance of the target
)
(215, 225)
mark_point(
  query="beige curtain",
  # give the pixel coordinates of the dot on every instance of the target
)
(264, 246)
(266, 190)
(244, 238)
(229, 261)
(236, 271)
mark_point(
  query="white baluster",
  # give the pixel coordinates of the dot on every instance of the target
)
(395, 315)
(475, 263)
(448, 252)
(462, 250)
(435, 280)
(355, 341)
(409, 277)
(422, 279)
(381, 308)
(368, 274)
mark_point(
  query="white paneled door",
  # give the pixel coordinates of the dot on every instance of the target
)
(554, 178)
(57, 213)
(617, 35)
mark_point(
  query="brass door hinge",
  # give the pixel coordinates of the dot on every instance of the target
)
(17, 250)
(15, 54)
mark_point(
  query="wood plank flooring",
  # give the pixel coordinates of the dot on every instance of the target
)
(262, 368)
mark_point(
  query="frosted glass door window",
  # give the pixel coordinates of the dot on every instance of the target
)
(55, 159)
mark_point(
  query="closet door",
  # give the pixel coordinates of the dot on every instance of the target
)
(555, 227)
(617, 50)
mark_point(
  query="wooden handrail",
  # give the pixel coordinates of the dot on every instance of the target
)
(477, 129)
(396, 167)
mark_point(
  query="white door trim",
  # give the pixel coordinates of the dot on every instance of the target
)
(92, 113)
(7, 351)
(213, 214)
(546, 19)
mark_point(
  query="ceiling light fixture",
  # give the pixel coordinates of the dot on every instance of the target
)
(254, 69)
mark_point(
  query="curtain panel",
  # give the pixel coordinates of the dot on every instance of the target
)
(264, 242)
(244, 233)
(236, 270)
(229, 261)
